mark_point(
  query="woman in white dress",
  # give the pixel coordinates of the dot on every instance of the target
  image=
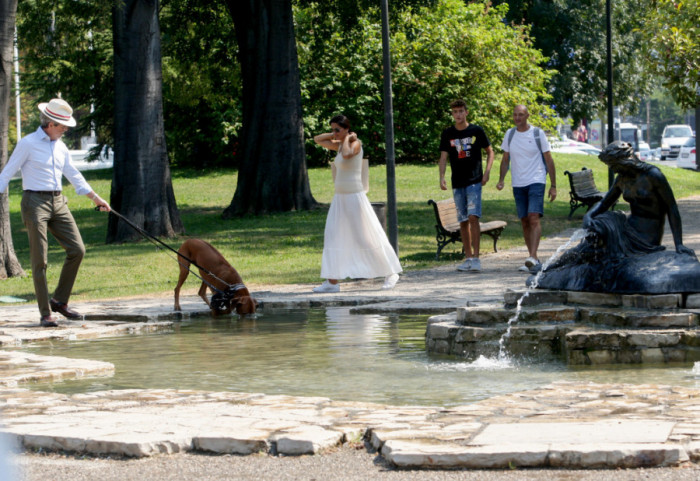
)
(354, 243)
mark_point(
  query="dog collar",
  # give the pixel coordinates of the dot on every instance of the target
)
(237, 287)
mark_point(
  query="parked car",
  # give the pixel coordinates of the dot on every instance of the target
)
(645, 152)
(672, 138)
(104, 161)
(567, 146)
(687, 158)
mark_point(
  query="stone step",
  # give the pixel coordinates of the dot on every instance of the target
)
(612, 317)
(415, 454)
(588, 346)
(539, 297)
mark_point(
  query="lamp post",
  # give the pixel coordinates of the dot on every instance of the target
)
(392, 218)
(17, 99)
(608, 43)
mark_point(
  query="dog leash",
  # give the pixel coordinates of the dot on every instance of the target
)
(151, 238)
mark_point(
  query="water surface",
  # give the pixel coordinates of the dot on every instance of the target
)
(322, 352)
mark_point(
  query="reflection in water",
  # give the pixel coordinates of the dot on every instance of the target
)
(327, 353)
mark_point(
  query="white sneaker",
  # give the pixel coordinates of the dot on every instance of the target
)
(476, 265)
(466, 265)
(524, 269)
(327, 287)
(390, 281)
(531, 262)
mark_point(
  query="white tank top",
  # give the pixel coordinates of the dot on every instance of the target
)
(348, 177)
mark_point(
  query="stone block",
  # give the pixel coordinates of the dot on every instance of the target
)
(674, 319)
(479, 315)
(653, 339)
(477, 334)
(441, 347)
(539, 297)
(653, 356)
(443, 318)
(577, 357)
(607, 456)
(692, 301)
(690, 338)
(601, 357)
(594, 299)
(416, 454)
(560, 314)
(438, 331)
(693, 451)
(606, 318)
(511, 297)
(307, 440)
(675, 355)
(240, 442)
(660, 301)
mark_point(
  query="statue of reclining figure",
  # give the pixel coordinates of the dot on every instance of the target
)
(623, 253)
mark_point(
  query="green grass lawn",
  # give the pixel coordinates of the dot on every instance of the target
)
(281, 248)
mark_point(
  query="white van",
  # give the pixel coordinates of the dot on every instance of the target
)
(673, 137)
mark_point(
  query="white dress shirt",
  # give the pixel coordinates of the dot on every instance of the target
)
(42, 161)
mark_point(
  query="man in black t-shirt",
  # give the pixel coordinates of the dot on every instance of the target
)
(463, 144)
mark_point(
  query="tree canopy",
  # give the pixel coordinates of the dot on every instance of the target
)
(672, 33)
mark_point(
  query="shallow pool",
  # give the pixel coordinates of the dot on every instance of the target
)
(322, 352)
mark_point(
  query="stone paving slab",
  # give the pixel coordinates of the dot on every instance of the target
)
(574, 425)
(21, 367)
(599, 432)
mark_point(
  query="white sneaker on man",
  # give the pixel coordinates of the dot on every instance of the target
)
(476, 265)
(390, 281)
(466, 265)
(524, 268)
(327, 287)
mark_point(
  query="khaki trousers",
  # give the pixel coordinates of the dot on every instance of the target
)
(41, 213)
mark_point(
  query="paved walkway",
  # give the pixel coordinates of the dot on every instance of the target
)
(563, 425)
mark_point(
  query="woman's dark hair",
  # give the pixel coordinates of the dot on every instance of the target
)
(341, 120)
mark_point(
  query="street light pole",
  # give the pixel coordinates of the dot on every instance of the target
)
(392, 218)
(611, 127)
(17, 99)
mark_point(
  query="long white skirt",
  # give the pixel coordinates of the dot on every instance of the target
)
(354, 243)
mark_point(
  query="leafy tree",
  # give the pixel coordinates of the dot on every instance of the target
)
(672, 34)
(572, 34)
(672, 31)
(440, 53)
(9, 265)
(141, 186)
(201, 83)
(66, 50)
(272, 175)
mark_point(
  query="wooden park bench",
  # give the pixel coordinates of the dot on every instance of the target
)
(447, 225)
(583, 190)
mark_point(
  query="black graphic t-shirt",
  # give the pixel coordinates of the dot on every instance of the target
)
(464, 150)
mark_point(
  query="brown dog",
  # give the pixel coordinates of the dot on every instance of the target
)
(207, 257)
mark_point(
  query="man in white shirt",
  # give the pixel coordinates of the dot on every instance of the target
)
(527, 151)
(43, 159)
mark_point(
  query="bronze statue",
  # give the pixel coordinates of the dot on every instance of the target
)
(623, 253)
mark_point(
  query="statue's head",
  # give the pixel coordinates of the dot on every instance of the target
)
(619, 154)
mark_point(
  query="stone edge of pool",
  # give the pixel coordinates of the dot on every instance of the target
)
(571, 425)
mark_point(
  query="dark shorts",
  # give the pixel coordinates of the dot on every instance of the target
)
(529, 200)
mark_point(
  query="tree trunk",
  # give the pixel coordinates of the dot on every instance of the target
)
(272, 175)
(142, 189)
(9, 265)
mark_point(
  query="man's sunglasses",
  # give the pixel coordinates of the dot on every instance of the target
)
(336, 130)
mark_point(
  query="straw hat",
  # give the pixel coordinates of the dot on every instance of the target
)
(59, 111)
